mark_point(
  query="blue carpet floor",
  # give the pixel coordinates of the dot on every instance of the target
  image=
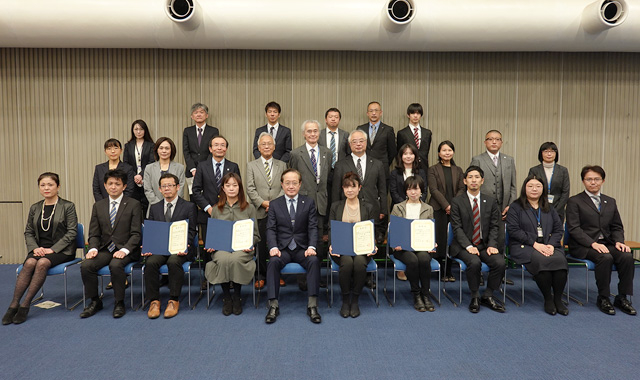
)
(384, 343)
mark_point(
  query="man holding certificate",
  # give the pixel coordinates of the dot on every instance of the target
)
(171, 209)
(475, 220)
(292, 228)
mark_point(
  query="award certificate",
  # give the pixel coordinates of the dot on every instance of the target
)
(423, 235)
(178, 237)
(363, 238)
(242, 235)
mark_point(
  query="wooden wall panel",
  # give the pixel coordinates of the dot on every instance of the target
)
(10, 125)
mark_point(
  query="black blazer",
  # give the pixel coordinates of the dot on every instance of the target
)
(194, 153)
(205, 189)
(384, 144)
(436, 183)
(462, 223)
(522, 227)
(585, 223)
(283, 143)
(405, 136)
(129, 156)
(183, 210)
(126, 232)
(279, 229)
(560, 186)
(64, 227)
(337, 210)
(396, 186)
(374, 186)
(342, 140)
(99, 191)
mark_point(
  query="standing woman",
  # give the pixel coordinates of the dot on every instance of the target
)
(164, 152)
(50, 235)
(445, 183)
(407, 165)
(138, 152)
(232, 268)
(535, 231)
(112, 149)
(554, 177)
(418, 263)
(353, 269)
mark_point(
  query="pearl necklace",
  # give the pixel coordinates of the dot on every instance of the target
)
(48, 220)
(353, 213)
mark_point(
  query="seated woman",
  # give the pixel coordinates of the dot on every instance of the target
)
(353, 269)
(164, 151)
(112, 149)
(232, 268)
(554, 177)
(418, 263)
(50, 235)
(535, 232)
(138, 153)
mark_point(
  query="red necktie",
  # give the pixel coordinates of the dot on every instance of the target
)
(476, 222)
(416, 137)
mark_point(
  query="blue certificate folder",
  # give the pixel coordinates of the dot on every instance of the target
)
(400, 233)
(342, 238)
(219, 234)
(155, 237)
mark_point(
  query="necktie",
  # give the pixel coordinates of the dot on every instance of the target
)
(359, 169)
(314, 163)
(495, 161)
(374, 130)
(416, 137)
(292, 213)
(476, 222)
(112, 219)
(596, 201)
(334, 154)
(218, 175)
(267, 170)
(167, 214)
(271, 130)
(199, 136)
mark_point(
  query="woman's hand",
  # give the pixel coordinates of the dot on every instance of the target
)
(138, 179)
(546, 250)
(398, 248)
(39, 252)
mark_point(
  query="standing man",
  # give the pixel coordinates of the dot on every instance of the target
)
(171, 209)
(475, 221)
(262, 188)
(334, 138)
(280, 133)
(195, 139)
(415, 135)
(114, 240)
(381, 139)
(596, 233)
(292, 229)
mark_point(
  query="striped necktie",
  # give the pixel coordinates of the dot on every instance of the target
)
(314, 163)
(267, 170)
(476, 222)
(218, 175)
(416, 137)
(112, 219)
(334, 154)
(359, 169)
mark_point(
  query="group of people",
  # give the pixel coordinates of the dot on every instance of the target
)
(334, 175)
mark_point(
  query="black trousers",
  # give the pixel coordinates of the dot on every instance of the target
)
(604, 263)
(152, 275)
(474, 265)
(418, 270)
(311, 264)
(89, 272)
(353, 273)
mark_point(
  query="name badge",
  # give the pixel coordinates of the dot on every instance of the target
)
(540, 234)
(550, 197)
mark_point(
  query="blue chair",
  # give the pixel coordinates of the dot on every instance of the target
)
(372, 267)
(61, 269)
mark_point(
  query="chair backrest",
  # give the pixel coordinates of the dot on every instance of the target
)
(449, 235)
(565, 239)
(80, 237)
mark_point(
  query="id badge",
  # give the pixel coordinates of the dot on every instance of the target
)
(540, 233)
(550, 197)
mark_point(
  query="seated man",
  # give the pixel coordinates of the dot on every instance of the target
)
(292, 227)
(475, 221)
(596, 233)
(172, 209)
(114, 240)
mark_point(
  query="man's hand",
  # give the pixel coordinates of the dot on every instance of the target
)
(119, 255)
(91, 254)
(473, 251)
(265, 205)
(275, 252)
(622, 247)
(504, 213)
(381, 216)
(146, 254)
(601, 248)
(492, 251)
(309, 252)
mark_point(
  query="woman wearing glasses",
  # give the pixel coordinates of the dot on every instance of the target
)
(554, 177)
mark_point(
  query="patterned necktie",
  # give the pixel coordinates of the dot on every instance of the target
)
(314, 163)
(271, 131)
(596, 201)
(495, 161)
(374, 130)
(292, 213)
(218, 174)
(112, 219)
(416, 137)
(334, 154)
(267, 170)
(359, 169)
(167, 214)
(199, 136)
(476, 222)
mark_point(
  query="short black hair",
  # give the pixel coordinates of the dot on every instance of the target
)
(169, 175)
(171, 144)
(112, 142)
(450, 145)
(545, 146)
(118, 174)
(543, 202)
(474, 168)
(413, 182)
(219, 137)
(415, 107)
(333, 109)
(272, 104)
(592, 168)
(54, 176)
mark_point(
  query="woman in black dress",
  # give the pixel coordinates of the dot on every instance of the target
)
(138, 153)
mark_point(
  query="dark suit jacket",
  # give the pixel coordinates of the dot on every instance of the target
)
(560, 186)
(396, 186)
(129, 155)
(436, 183)
(374, 186)
(64, 227)
(318, 191)
(462, 223)
(283, 143)
(126, 230)
(405, 136)
(384, 144)
(522, 227)
(279, 229)
(194, 153)
(99, 191)
(342, 140)
(337, 210)
(205, 189)
(585, 223)
(183, 210)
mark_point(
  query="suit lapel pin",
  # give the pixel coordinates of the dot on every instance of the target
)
(484, 201)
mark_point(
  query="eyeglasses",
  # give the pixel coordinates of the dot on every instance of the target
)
(168, 186)
(493, 139)
(548, 151)
(360, 141)
(593, 180)
(291, 183)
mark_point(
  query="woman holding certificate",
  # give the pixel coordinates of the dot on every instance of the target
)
(418, 263)
(50, 235)
(232, 268)
(353, 269)
(535, 231)
(164, 152)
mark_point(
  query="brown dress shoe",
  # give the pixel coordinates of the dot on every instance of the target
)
(282, 283)
(259, 284)
(154, 310)
(172, 309)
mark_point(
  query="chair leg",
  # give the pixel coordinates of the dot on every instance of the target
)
(444, 287)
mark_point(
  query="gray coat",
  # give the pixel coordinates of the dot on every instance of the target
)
(257, 186)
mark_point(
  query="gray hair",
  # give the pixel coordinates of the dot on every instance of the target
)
(263, 134)
(358, 131)
(197, 106)
(304, 124)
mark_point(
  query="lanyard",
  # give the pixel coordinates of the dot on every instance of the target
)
(537, 215)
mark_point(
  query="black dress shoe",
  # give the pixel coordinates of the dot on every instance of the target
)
(21, 315)
(237, 305)
(119, 309)
(561, 308)
(312, 312)
(507, 281)
(418, 303)
(227, 306)
(354, 312)
(549, 307)
(92, 309)
(620, 302)
(109, 286)
(474, 306)
(8, 316)
(272, 314)
(345, 310)
(427, 303)
(605, 305)
(492, 304)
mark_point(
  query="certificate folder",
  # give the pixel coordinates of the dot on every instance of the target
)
(342, 238)
(220, 234)
(400, 234)
(155, 237)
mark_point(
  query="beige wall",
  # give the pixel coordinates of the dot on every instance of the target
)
(57, 107)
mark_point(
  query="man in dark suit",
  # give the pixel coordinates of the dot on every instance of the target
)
(171, 209)
(292, 229)
(475, 221)
(195, 139)
(381, 139)
(114, 240)
(596, 233)
(334, 138)
(280, 133)
(372, 176)
(415, 135)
